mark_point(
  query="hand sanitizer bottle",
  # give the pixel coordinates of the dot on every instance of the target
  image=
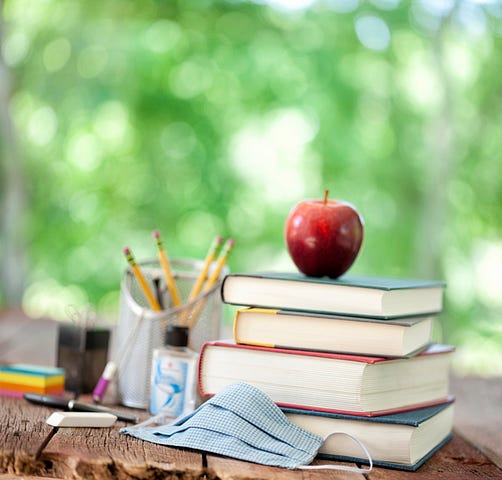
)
(174, 375)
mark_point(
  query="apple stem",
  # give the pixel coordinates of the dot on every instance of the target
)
(326, 192)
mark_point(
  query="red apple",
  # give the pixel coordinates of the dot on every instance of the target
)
(324, 236)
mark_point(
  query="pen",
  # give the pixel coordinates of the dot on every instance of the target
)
(158, 291)
(164, 262)
(74, 406)
(112, 366)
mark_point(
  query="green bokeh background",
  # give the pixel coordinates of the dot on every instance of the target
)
(205, 117)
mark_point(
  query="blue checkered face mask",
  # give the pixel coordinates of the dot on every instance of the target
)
(242, 422)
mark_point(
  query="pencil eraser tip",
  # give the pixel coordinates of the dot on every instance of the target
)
(219, 239)
(127, 250)
(156, 233)
(231, 242)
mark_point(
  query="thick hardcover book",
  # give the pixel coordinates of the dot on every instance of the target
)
(329, 382)
(310, 331)
(379, 297)
(402, 440)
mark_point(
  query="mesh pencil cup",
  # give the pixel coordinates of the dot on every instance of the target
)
(140, 329)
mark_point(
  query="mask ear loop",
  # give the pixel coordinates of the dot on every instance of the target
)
(343, 467)
(159, 419)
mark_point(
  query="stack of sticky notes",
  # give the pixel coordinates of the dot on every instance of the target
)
(17, 379)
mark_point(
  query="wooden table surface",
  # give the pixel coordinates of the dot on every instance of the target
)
(474, 452)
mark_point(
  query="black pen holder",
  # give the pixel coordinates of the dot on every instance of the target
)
(83, 353)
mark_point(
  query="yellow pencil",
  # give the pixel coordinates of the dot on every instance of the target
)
(141, 280)
(211, 281)
(211, 255)
(227, 248)
(164, 262)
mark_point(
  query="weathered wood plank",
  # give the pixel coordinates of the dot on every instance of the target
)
(228, 469)
(457, 460)
(8, 476)
(84, 452)
(105, 453)
(478, 413)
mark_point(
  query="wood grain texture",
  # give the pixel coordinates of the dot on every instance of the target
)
(457, 460)
(478, 413)
(105, 453)
(84, 452)
(229, 469)
(474, 452)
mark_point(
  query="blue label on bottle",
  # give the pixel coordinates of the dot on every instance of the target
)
(169, 378)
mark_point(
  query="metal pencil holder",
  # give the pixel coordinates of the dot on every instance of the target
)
(140, 329)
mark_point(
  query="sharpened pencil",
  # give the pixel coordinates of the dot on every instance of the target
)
(199, 282)
(222, 258)
(211, 281)
(141, 280)
(211, 255)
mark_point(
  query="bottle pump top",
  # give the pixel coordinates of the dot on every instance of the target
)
(176, 336)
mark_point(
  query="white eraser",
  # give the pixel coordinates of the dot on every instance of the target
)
(81, 419)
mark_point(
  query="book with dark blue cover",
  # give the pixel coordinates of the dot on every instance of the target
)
(404, 440)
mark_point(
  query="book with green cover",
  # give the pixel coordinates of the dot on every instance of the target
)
(404, 440)
(364, 296)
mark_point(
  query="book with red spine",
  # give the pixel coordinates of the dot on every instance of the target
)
(329, 382)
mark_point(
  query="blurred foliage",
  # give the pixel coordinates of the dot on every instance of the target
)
(201, 117)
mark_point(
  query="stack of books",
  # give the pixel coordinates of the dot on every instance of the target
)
(352, 354)
(18, 379)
